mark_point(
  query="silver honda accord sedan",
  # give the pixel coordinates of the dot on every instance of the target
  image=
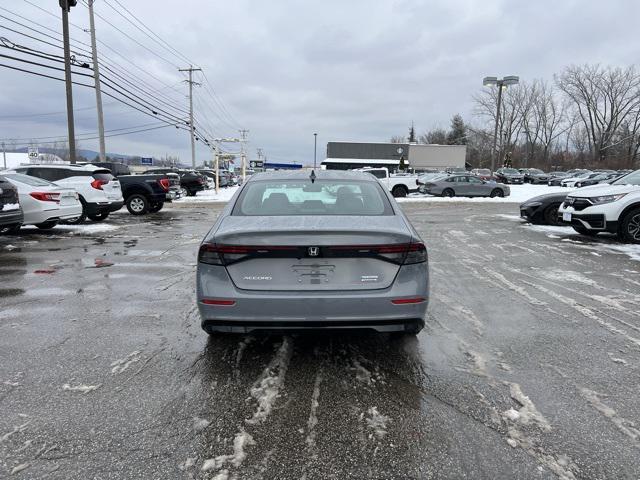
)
(319, 250)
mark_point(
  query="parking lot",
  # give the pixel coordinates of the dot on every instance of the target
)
(528, 367)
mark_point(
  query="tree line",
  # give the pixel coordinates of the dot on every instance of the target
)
(588, 116)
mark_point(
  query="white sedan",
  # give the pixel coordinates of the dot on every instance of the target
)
(43, 203)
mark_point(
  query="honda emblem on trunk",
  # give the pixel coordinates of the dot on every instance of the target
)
(313, 251)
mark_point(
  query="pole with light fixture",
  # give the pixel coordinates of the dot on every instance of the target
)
(315, 148)
(500, 83)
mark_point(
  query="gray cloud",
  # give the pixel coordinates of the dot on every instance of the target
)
(356, 70)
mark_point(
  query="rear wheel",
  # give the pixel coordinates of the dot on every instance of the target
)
(10, 229)
(497, 192)
(448, 192)
(47, 225)
(78, 220)
(137, 204)
(98, 217)
(550, 214)
(156, 207)
(184, 191)
(630, 227)
(584, 231)
(399, 191)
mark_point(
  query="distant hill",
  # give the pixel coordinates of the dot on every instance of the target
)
(88, 154)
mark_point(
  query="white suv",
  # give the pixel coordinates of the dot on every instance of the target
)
(611, 208)
(99, 191)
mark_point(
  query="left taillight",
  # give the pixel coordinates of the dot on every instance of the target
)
(46, 196)
(220, 254)
(97, 184)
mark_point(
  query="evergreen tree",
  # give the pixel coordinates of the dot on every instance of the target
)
(458, 133)
(412, 134)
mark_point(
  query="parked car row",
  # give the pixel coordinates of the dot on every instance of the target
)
(609, 207)
(48, 194)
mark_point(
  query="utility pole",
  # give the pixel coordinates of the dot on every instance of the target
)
(243, 154)
(96, 79)
(4, 154)
(217, 164)
(193, 136)
(315, 148)
(66, 5)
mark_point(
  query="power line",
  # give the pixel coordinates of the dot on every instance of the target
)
(87, 133)
(152, 35)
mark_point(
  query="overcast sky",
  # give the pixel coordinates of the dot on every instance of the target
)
(351, 71)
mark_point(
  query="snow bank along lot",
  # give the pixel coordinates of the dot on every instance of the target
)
(519, 193)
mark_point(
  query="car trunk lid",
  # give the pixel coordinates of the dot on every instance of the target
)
(313, 252)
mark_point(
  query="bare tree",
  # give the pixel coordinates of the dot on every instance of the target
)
(604, 98)
(434, 136)
(398, 139)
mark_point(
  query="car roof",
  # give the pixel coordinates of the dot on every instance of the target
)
(320, 175)
(84, 166)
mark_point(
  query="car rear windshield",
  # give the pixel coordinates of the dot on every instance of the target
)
(323, 197)
(28, 180)
(511, 171)
(104, 175)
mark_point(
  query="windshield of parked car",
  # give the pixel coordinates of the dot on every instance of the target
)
(535, 171)
(323, 197)
(630, 179)
(510, 171)
(27, 180)
(483, 171)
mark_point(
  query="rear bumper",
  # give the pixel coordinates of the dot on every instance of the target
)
(95, 208)
(280, 310)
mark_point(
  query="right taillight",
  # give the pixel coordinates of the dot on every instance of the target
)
(417, 253)
(164, 183)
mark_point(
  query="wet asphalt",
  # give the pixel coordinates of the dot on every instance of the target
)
(528, 368)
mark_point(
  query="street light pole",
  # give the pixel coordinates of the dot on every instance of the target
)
(66, 5)
(502, 83)
(315, 148)
(96, 80)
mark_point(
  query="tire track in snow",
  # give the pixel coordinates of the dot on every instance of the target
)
(627, 427)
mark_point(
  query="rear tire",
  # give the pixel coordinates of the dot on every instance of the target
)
(137, 204)
(10, 229)
(497, 192)
(448, 192)
(399, 191)
(584, 231)
(79, 220)
(630, 227)
(98, 217)
(47, 225)
(184, 191)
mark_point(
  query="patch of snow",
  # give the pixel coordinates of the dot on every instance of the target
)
(267, 388)
(210, 196)
(627, 427)
(200, 424)
(240, 442)
(362, 374)
(528, 412)
(80, 229)
(377, 422)
(10, 247)
(123, 364)
(16, 429)
(19, 468)
(80, 388)
(313, 414)
(512, 414)
(188, 463)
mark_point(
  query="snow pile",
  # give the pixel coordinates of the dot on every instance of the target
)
(519, 194)
(10, 206)
(224, 195)
(313, 414)
(528, 413)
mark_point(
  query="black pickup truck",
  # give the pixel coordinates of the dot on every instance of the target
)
(10, 211)
(142, 193)
(191, 182)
